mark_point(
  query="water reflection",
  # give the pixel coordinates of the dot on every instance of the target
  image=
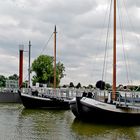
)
(48, 124)
(17, 123)
(104, 131)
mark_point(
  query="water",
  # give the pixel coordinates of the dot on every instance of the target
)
(17, 123)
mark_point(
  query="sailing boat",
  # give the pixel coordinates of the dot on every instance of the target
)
(32, 100)
(114, 109)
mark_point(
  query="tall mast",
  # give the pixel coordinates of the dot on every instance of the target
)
(21, 49)
(55, 57)
(29, 70)
(114, 55)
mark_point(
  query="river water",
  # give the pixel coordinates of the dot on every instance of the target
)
(17, 123)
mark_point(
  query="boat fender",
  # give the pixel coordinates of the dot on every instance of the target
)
(100, 84)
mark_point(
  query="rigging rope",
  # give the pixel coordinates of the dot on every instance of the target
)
(122, 39)
(105, 55)
(42, 51)
(46, 44)
(132, 27)
(101, 31)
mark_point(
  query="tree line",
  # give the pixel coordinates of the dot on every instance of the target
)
(3, 79)
(78, 85)
(43, 69)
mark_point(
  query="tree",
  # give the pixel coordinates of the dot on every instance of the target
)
(59, 72)
(44, 71)
(13, 77)
(64, 86)
(2, 81)
(71, 85)
(107, 86)
(90, 86)
(25, 84)
(78, 85)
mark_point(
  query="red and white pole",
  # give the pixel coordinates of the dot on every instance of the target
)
(21, 49)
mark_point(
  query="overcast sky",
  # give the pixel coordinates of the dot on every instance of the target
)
(81, 37)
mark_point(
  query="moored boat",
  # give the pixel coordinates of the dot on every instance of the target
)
(114, 108)
(30, 101)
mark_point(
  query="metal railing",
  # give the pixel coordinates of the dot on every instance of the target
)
(129, 99)
(14, 90)
(123, 98)
(67, 93)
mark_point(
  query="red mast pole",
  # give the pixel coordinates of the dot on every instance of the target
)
(21, 48)
(114, 56)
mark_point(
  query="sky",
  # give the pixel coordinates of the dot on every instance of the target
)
(81, 37)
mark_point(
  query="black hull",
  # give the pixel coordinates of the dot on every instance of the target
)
(74, 107)
(30, 101)
(89, 112)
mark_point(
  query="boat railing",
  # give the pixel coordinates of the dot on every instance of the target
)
(60, 93)
(100, 95)
(90, 93)
(128, 99)
(97, 94)
(67, 93)
(123, 98)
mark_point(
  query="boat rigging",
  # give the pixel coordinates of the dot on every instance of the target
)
(113, 106)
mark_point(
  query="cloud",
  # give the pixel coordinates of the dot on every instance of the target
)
(81, 36)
